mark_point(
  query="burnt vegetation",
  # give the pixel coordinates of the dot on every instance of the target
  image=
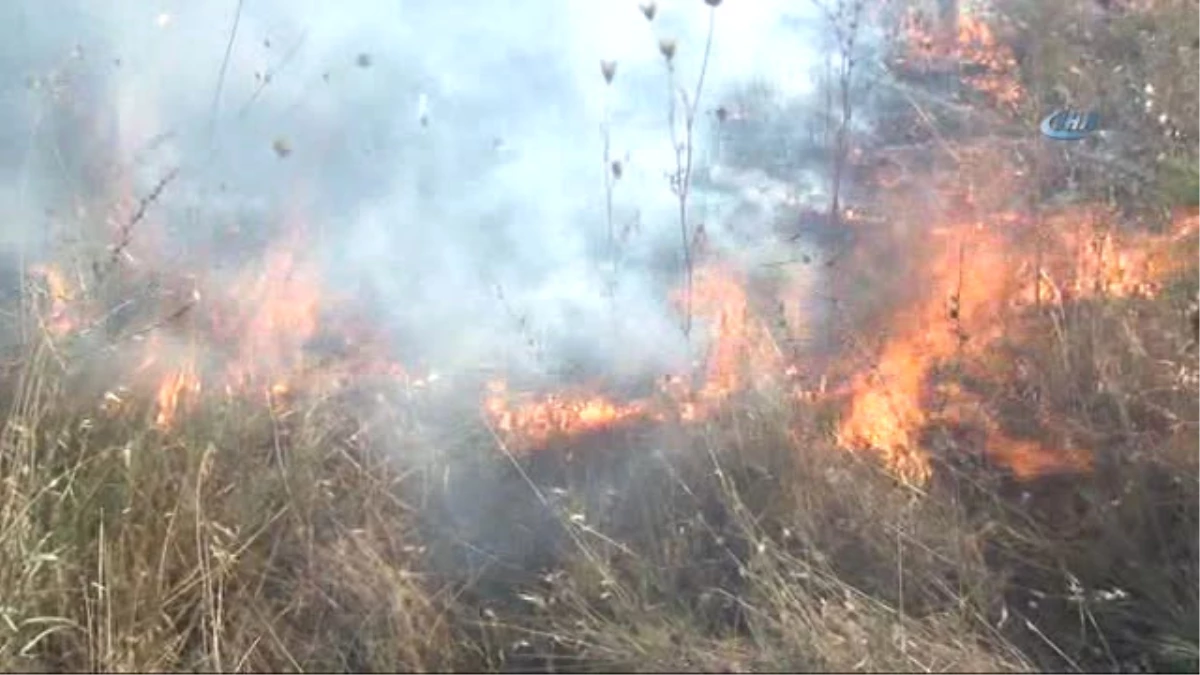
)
(978, 452)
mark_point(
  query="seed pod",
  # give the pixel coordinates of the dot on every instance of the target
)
(666, 46)
(609, 70)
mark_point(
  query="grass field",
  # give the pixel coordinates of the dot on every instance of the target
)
(344, 527)
(990, 464)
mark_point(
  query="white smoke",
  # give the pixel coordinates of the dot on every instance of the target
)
(493, 188)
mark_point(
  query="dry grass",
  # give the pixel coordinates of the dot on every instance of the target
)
(258, 538)
(242, 540)
(358, 533)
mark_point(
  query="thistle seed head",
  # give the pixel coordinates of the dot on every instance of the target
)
(666, 47)
(609, 70)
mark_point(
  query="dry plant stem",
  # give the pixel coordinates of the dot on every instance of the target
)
(270, 74)
(846, 40)
(216, 103)
(684, 155)
(610, 179)
(538, 494)
(125, 235)
(676, 184)
(522, 323)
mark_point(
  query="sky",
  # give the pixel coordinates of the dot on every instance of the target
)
(499, 193)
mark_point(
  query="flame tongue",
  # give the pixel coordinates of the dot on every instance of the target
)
(172, 391)
(61, 316)
(538, 422)
(741, 354)
(273, 315)
(263, 322)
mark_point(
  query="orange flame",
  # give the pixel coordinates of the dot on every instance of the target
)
(60, 316)
(532, 423)
(275, 313)
(973, 282)
(172, 391)
(264, 319)
(987, 65)
(741, 355)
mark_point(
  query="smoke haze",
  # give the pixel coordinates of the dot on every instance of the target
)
(445, 159)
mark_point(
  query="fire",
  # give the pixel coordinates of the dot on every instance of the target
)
(60, 317)
(254, 335)
(885, 413)
(171, 393)
(985, 63)
(258, 325)
(1112, 263)
(531, 423)
(272, 315)
(974, 275)
(977, 276)
(995, 61)
(741, 355)
(742, 352)
(248, 337)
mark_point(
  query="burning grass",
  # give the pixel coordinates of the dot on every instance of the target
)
(293, 515)
(996, 471)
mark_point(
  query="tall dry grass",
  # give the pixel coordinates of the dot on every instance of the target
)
(245, 539)
(351, 533)
(270, 537)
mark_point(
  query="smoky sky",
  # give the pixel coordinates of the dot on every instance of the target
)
(468, 234)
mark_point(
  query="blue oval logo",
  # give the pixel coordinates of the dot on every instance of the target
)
(1069, 125)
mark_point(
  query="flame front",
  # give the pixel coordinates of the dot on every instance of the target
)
(741, 353)
(538, 422)
(250, 336)
(977, 274)
(972, 276)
